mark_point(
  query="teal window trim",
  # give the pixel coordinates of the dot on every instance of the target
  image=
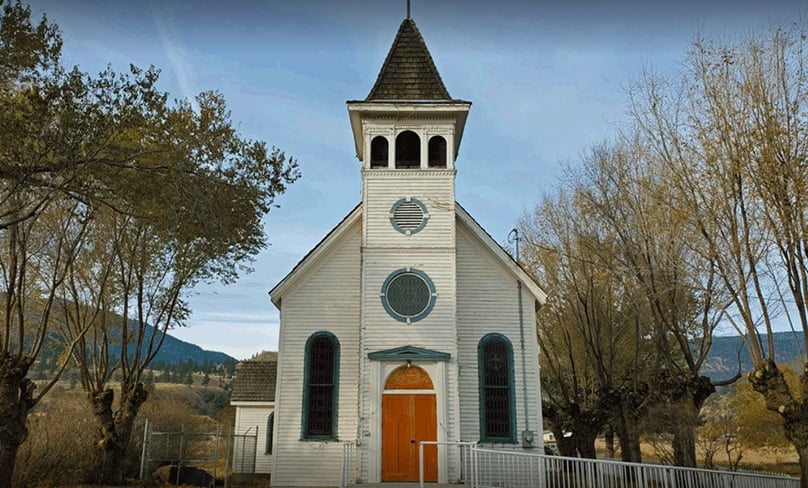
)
(304, 430)
(484, 436)
(424, 218)
(270, 433)
(408, 318)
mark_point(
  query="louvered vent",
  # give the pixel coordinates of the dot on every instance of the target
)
(408, 215)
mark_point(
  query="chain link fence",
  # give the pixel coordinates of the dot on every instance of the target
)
(198, 458)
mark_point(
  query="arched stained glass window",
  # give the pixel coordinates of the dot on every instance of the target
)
(320, 386)
(497, 405)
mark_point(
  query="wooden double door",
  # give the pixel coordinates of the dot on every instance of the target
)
(406, 420)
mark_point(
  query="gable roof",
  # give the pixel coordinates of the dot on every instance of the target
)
(408, 72)
(498, 251)
(333, 235)
(255, 381)
(476, 229)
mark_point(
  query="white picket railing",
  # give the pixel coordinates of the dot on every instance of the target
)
(501, 468)
(498, 468)
(465, 458)
(346, 475)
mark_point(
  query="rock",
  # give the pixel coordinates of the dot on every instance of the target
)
(188, 475)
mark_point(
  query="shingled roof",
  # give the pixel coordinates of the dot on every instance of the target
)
(408, 73)
(255, 381)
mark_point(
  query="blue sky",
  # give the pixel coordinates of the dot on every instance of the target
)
(546, 79)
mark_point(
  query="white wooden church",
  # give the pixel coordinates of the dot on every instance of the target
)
(407, 322)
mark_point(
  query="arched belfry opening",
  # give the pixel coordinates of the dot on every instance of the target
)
(408, 150)
(437, 152)
(379, 149)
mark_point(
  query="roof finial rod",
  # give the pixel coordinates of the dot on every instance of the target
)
(408, 9)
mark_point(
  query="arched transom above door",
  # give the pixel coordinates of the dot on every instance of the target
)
(408, 377)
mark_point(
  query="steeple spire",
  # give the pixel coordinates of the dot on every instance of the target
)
(408, 73)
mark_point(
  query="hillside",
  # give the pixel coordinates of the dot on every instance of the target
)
(173, 351)
(176, 351)
(722, 362)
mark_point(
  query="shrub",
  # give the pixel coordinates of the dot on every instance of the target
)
(60, 439)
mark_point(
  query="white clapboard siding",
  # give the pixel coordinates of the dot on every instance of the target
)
(434, 188)
(436, 330)
(487, 301)
(325, 298)
(249, 420)
(431, 251)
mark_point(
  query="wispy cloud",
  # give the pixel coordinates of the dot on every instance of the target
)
(176, 54)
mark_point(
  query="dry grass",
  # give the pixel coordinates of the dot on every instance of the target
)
(765, 459)
(61, 431)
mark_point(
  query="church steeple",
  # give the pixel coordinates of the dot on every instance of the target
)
(408, 72)
(408, 120)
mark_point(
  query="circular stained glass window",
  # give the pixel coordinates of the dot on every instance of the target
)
(408, 215)
(408, 295)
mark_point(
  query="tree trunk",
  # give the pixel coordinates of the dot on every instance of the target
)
(115, 430)
(565, 445)
(803, 453)
(627, 427)
(584, 437)
(585, 428)
(685, 409)
(631, 447)
(609, 439)
(768, 380)
(16, 400)
(684, 442)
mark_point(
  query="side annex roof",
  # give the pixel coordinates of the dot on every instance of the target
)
(255, 381)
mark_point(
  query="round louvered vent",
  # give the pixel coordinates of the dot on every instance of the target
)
(408, 215)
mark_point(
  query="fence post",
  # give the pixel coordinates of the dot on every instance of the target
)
(182, 456)
(228, 452)
(421, 464)
(473, 466)
(144, 451)
(216, 451)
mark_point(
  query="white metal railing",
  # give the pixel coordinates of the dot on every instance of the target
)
(513, 469)
(346, 472)
(465, 458)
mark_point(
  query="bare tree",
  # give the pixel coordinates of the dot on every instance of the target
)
(629, 271)
(570, 380)
(589, 337)
(731, 135)
(629, 193)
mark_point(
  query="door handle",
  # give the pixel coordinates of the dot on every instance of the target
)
(412, 441)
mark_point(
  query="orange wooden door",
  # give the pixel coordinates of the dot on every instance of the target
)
(407, 419)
